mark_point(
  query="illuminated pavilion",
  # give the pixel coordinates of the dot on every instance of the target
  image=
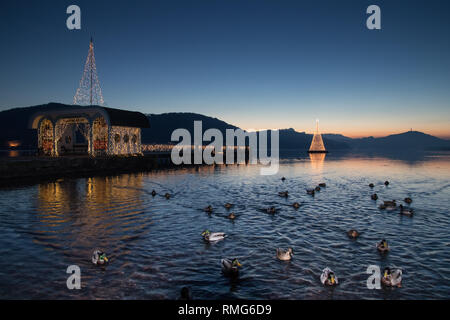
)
(92, 130)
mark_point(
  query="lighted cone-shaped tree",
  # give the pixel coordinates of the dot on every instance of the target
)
(89, 91)
(317, 145)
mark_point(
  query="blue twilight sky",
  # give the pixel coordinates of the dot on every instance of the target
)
(253, 63)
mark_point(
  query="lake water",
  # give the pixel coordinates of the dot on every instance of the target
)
(155, 245)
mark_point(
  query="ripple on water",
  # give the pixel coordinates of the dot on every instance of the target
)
(156, 248)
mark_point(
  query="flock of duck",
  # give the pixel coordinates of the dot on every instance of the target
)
(392, 277)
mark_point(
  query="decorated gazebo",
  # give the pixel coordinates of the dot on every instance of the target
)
(93, 130)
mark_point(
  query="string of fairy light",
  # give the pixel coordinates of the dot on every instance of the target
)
(101, 140)
(89, 91)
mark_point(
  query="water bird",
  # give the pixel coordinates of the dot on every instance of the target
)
(386, 183)
(390, 204)
(185, 294)
(232, 216)
(374, 196)
(99, 257)
(208, 209)
(322, 185)
(406, 211)
(392, 277)
(271, 210)
(353, 234)
(153, 193)
(231, 267)
(167, 196)
(371, 185)
(283, 179)
(408, 200)
(317, 188)
(283, 194)
(284, 255)
(228, 205)
(296, 205)
(213, 236)
(310, 191)
(328, 277)
(383, 246)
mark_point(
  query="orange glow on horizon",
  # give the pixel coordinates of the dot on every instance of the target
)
(364, 134)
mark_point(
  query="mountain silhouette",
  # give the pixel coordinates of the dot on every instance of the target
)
(14, 127)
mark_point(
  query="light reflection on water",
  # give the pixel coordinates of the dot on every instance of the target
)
(156, 248)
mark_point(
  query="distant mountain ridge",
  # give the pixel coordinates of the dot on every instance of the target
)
(14, 127)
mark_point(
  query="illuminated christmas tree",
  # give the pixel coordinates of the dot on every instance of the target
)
(89, 91)
(317, 145)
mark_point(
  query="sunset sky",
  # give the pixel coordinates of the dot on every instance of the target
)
(257, 64)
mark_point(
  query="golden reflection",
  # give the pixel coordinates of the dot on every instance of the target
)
(317, 160)
(92, 212)
(13, 153)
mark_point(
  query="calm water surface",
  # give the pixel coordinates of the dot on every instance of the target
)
(156, 248)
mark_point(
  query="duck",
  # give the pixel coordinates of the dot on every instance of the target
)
(383, 246)
(230, 267)
(374, 196)
(408, 200)
(99, 257)
(213, 236)
(208, 209)
(284, 255)
(283, 179)
(310, 191)
(153, 193)
(283, 194)
(322, 185)
(317, 188)
(353, 234)
(328, 277)
(386, 183)
(406, 211)
(232, 216)
(296, 205)
(185, 294)
(271, 210)
(371, 185)
(167, 196)
(228, 205)
(392, 277)
(390, 203)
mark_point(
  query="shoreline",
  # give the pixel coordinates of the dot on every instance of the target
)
(29, 170)
(32, 170)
